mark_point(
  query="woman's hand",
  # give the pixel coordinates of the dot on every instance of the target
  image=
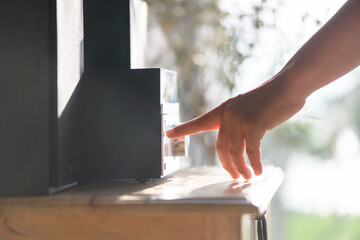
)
(242, 122)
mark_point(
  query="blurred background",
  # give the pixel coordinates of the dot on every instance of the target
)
(222, 48)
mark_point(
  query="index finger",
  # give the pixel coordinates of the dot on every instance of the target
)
(207, 122)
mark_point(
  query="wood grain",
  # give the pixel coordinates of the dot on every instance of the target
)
(155, 210)
(114, 226)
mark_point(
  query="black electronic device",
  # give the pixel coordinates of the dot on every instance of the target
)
(124, 115)
(71, 108)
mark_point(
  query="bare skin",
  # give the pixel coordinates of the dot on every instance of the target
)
(243, 120)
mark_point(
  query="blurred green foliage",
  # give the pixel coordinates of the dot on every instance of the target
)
(201, 29)
(300, 226)
(310, 134)
(205, 38)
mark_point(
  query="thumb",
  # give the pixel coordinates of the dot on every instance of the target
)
(207, 122)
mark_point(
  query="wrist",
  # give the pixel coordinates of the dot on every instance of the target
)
(282, 96)
(290, 86)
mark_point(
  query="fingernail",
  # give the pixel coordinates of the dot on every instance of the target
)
(247, 174)
(235, 175)
(258, 171)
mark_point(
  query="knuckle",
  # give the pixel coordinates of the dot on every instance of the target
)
(257, 133)
(240, 168)
(233, 151)
(251, 150)
(238, 165)
(229, 112)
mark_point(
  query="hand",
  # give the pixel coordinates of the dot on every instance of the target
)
(242, 122)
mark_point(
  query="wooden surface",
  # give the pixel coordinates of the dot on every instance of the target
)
(199, 203)
(124, 227)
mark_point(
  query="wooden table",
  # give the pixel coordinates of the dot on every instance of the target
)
(196, 203)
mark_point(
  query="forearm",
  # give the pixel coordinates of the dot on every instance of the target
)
(332, 52)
